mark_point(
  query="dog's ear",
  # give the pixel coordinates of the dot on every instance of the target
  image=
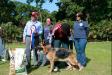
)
(45, 49)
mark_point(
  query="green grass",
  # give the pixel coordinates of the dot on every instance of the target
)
(99, 62)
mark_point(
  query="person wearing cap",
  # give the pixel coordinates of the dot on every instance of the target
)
(27, 36)
(80, 29)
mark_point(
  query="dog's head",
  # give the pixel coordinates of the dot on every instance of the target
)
(47, 48)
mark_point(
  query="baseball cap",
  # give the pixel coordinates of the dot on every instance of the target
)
(34, 14)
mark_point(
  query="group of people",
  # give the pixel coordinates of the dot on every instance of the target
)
(59, 35)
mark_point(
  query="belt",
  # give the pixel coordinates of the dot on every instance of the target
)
(28, 35)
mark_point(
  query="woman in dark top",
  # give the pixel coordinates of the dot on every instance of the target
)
(61, 35)
(80, 39)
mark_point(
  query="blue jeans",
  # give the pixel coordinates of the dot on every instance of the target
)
(60, 44)
(1, 48)
(36, 51)
(80, 45)
(35, 57)
(71, 44)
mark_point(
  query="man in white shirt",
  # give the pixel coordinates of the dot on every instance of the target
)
(28, 33)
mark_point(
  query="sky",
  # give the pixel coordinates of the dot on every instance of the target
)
(49, 6)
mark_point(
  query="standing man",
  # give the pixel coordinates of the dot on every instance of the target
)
(28, 33)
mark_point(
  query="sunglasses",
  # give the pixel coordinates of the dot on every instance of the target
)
(77, 16)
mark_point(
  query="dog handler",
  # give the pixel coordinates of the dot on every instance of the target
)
(80, 38)
(27, 35)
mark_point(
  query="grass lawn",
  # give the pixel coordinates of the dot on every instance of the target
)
(99, 62)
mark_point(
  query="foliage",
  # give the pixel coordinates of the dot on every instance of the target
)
(100, 20)
(22, 13)
(11, 32)
(39, 3)
(7, 8)
(93, 8)
(99, 13)
(101, 30)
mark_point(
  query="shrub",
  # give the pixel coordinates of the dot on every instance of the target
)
(101, 30)
(11, 32)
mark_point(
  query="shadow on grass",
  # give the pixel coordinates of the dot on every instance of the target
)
(60, 65)
(88, 60)
(3, 62)
(32, 69)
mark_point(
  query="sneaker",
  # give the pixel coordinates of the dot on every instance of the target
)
(56, 69)
(80, 68)
(3, 60)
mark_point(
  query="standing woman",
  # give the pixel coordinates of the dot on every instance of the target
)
(80, 38)
(47, 31)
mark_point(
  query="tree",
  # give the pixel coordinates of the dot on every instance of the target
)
(6, 10)
(38, 2)
(22, 12)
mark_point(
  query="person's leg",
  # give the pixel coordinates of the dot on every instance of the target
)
(76, 44)
(82, 55)
(65, 44)
(1, 49)
(70, 44)
(44, 60)
(35, 57)
(77, 48)
(28, 51)
(35, 51)
(52, 42)
(57, 43)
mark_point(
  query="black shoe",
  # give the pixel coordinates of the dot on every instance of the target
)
(28, 68)
(35, 66)
(42, 65)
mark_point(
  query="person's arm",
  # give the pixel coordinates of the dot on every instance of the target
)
(69, 34)
(1, 31)
(40, 29)
(24, 32)
(43, 34)
(86, 27)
